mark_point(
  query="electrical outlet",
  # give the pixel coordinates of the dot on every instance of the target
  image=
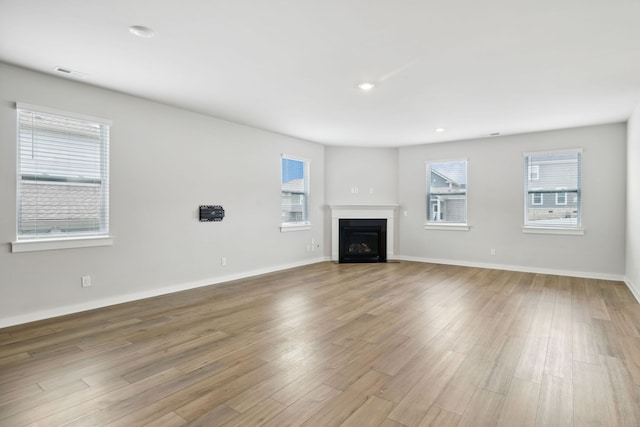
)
(223, 261)
(86, 281)
(493, 252)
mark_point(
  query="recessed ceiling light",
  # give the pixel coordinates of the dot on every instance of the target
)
(366, 86)
(439, 130)
(140, 31)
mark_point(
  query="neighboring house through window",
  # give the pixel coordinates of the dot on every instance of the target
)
(63, 175)
(557, 175)
(447, 192)
(294, 193)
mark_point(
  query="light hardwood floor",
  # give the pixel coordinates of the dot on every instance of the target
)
(396, 344)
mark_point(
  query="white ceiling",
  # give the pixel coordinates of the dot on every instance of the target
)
(292, 66)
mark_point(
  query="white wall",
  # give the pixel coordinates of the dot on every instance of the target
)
(372, 171)
(165, 162)
(360, 176)
(633, 203)
(495, 204)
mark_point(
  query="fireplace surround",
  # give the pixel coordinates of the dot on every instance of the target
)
(372, 212)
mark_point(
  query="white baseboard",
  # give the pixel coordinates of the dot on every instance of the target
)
(635, 290)
(524, 269)
(91, 305)
(119, 299)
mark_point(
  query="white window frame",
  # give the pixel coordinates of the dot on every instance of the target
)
(439, 224)
(305, 224)
(558, 227)
(26, 242)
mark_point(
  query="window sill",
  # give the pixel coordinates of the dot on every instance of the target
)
(451, 226)
(303, 226)
(543, 230)
(67, 243)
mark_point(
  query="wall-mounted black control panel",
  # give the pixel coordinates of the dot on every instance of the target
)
(210, 213)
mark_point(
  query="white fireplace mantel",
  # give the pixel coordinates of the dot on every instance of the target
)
(364, 212)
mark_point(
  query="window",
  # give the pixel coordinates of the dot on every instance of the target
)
(558, 176)
(295, 193)
(63, 175)
(534, 172)
(447, 192)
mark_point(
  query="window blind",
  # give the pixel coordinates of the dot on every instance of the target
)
(553, 189)
(63, 175)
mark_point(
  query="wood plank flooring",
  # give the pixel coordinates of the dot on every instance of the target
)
(396, 344)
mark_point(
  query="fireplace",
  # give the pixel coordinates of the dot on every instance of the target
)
(376, 212)
(362, 240)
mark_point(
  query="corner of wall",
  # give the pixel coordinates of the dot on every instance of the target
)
(635, 290)
(632, 231)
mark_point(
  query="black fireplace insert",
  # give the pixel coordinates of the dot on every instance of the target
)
(362, 240)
